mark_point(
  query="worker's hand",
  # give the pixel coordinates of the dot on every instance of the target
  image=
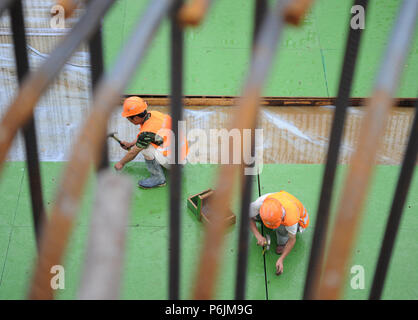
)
(261, 241)
(119, 166)
(126, 145)
(279, 266)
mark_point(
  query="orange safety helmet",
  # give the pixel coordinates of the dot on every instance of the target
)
(133, 106)
(271, 213)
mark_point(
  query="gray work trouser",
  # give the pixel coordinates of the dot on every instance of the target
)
(282, 235)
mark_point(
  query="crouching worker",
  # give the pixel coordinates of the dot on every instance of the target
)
(283, 213)
(154, 141)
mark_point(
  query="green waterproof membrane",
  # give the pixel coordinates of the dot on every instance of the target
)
(145, 269)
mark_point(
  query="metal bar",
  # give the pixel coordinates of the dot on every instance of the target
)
(192, 13)
(177, 43)
(296, 10)
(106, 243)
(244, 118)
(360, 171)
(321, 225)
(29, 130)
(21, 109)
(392, 225)
(97, 67)
(89, 146)
(4, 4)
(241, 274)
(195, 100)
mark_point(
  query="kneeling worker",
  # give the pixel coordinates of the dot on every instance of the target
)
(153, 141)
(283, 213)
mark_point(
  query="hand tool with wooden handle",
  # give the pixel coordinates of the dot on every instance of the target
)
(112, 135)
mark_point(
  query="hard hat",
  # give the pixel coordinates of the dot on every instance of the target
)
(271, 213)
(133, 106)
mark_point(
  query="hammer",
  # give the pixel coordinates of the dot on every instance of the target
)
(267, 245)
(112, 135)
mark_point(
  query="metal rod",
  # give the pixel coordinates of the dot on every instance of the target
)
(89, 146)
(393, 222)
(29, 130)
(177, 43)
(97, 67)
(244, 118)
(321, 225)
(21, 109)
(360, 171)
(106, 243)
(4, 4)
(241, 274)
(192, 13)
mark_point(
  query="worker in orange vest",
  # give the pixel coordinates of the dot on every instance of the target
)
(153, 141)
(283, 213)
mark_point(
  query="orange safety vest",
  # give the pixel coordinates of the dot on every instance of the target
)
(294, 211)
(160, 123)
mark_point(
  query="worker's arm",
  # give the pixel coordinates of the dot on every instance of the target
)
(261, 241)
(288, 247)
(130, 155)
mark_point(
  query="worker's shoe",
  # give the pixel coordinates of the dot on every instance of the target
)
(157, 178)
(279, 249)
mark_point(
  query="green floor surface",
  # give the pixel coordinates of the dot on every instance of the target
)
(217, 52)
(146, 268)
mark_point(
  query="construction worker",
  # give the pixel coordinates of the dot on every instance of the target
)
(283, 213)
(153, 141)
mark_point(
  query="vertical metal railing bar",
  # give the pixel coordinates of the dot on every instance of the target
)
(177, 43)
(243, 239)
(321, 224)
(244, 118)
(393, 222)
(29, 130)
(21, 109)
(89, 145)
(4, 4)
(362, 163)
(97, 67)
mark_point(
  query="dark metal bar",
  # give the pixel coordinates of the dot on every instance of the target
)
(361, 167)
(97, 67)
(89, 146)
(241, 274)
(177, 43)
(4, 4)
(392, 225)
(29, 130)
(21, 109)
(321, 225)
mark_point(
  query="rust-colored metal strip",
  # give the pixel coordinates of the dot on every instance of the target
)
(21, 109)
(106, 244)
(193, 12)
(296, 10)
(164, 100)
(244, 118)
(362, 164)
(89, 146)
